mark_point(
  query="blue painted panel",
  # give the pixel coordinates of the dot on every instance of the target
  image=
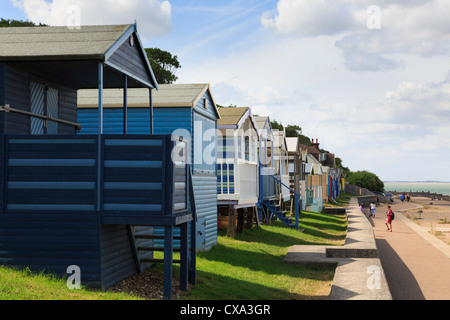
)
(52, 242)
(116, 254)
(206, 109)
(62, 183)
(166, 120)
(131, 59)
(204, 151)
(17, 96)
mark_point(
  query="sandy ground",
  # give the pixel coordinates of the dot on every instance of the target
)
(435, 215)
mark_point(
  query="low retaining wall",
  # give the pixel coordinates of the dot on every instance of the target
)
(333, 210)
(359, 274)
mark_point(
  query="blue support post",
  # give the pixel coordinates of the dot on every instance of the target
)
(193, 228)
(100, 98)
(296, 211)
(100, 132)
(151, 111)
(168, 261)
(184, 261)
(125, 104)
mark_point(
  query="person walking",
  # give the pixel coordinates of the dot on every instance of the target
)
(373, 206)
(389, 218)
(402, 198)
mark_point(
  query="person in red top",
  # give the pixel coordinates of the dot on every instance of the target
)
(388, 221)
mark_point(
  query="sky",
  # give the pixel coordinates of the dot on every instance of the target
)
(370, 79)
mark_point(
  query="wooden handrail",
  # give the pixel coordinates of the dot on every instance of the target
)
(7, 108)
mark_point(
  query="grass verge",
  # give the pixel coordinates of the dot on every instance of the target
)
(26, 285)
(248, 267)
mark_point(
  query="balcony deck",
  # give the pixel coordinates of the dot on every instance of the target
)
(124, 179)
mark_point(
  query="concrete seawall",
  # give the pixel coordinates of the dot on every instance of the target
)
(359, 274)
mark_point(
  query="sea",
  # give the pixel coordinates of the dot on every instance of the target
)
(419, 186)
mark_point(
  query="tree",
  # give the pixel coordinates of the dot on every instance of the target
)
(293, 131)
(276, 125)
(164, 65)
(4, 23)
(338, 162)
(365, 179)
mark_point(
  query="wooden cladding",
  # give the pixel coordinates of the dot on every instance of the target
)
(110, 174)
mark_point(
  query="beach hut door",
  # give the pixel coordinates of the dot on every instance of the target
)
(44, 101)
(37, 92)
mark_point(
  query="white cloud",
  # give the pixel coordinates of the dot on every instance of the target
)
(406, 27)
(310, 17)
(153, 16)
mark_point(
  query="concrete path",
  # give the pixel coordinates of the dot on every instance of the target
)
(416, 264)
(359, 274)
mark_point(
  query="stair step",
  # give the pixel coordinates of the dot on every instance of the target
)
(148, 236)
(157, 260)
(144, 248)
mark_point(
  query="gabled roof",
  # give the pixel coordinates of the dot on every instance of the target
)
(58, 43)
(279, 137)
(292, 144)
(264, 127)
(316, 166)
(261, 122)
(168, 95)
(71, 56)
(234, 117)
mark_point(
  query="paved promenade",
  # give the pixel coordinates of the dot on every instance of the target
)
(359, 274)
(416, 264)
(411, 263)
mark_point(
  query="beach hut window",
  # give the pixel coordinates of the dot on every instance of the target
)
(254, 149)
(225, 148)
(247, 148)
(239, 145)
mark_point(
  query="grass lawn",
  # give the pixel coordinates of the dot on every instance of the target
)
(25, 285)
(248, 267)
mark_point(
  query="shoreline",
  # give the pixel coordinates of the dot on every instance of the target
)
(423, 194)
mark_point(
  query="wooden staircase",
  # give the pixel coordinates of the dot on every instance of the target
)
(270, 209)
(267, 206)
(146, 242)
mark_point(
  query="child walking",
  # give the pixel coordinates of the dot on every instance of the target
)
(373, 206)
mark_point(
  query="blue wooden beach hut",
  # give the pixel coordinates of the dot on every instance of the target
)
(186, 110)
(76, 200)
(274, 185)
